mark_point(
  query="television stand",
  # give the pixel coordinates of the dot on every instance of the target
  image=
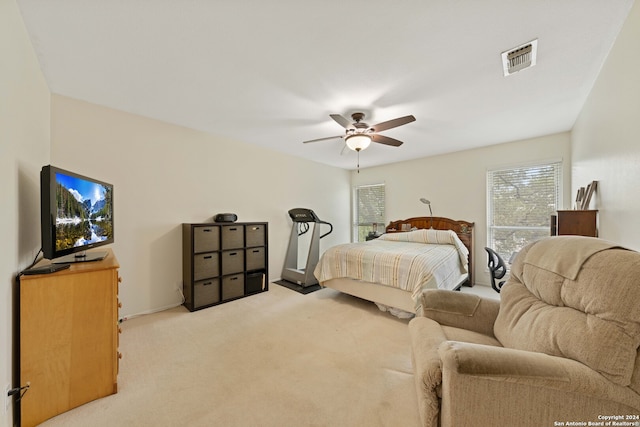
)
(68, 335)
(81, 257)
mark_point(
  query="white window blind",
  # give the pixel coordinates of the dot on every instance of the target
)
(369, 211)
(520, 204)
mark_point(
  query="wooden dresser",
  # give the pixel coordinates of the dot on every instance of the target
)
(575, 222)
(68, 337)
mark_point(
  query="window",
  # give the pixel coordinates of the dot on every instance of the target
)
(520, 204)
(369, 211)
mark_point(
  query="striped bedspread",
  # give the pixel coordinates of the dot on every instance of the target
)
(412, 261)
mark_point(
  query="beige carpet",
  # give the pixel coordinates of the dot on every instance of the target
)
(274, 359)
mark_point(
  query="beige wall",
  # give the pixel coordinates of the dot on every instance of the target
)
(456, 183)
(606, 139)
(164, 175)
(24, 148)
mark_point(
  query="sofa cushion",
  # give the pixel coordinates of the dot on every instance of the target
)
(592, 319)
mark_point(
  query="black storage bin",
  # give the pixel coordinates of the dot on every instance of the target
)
(254, 283)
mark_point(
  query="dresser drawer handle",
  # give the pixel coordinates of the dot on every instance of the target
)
(207, 230)
(233, 254)
(208, 257)
(207, 283)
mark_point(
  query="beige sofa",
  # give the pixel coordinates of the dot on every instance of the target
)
(560, 347)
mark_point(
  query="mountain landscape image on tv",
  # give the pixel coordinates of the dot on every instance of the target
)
(84, 212)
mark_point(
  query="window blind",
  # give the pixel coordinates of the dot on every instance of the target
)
(370, 209)
(520, 204)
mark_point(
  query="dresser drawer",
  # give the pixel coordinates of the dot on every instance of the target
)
(232, 236)
(206, 265)
(233, 286)
(206, 238)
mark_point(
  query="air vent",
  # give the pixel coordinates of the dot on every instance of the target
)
(519, 58)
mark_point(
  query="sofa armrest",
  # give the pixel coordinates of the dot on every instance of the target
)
(460, 310)
(535, 371)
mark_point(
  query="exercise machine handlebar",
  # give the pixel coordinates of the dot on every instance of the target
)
(305, 216)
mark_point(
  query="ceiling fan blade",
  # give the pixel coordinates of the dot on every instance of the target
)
(341, 121)
(323, 139)
(385, 140)
(393, 123)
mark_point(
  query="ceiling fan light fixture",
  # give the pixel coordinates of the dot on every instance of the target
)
(358, 142)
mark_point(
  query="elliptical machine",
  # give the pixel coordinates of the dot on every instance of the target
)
(301, 218)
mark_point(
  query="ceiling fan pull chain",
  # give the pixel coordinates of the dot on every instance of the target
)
(358, 151)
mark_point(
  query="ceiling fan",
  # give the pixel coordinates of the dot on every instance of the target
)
(359, 135)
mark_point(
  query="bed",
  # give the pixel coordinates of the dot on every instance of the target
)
(432, 252)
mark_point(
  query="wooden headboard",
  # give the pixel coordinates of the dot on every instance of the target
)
(463, 229)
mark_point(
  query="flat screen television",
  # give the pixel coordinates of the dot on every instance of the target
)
(76, 215)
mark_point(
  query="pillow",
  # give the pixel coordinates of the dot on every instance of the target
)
(431, 236)
(445, 237)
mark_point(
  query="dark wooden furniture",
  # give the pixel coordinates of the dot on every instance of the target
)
(68, 337)
(463, 229)
(575, 222)
(223, 261)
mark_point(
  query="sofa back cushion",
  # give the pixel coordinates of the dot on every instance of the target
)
(593, 318)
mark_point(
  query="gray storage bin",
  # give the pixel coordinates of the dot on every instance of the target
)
(255, 258)
(206, 238)
(233, 261)
(232, 236)
(233, 286)
(206, 265)
(255, 234)
(206, 292)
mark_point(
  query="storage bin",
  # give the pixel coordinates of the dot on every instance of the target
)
(232, 236)
(206, 265)
(255, 258)
(255, 234)
(254, 283)
(233, 261)
(206, 239)
(232, 286)
(206, 292)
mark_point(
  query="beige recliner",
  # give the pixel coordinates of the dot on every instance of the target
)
(560, 346)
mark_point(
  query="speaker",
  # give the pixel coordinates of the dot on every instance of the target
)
(225, 217)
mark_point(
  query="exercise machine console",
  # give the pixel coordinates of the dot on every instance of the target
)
(303, 221)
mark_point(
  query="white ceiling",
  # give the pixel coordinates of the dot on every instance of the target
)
(270, 72)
